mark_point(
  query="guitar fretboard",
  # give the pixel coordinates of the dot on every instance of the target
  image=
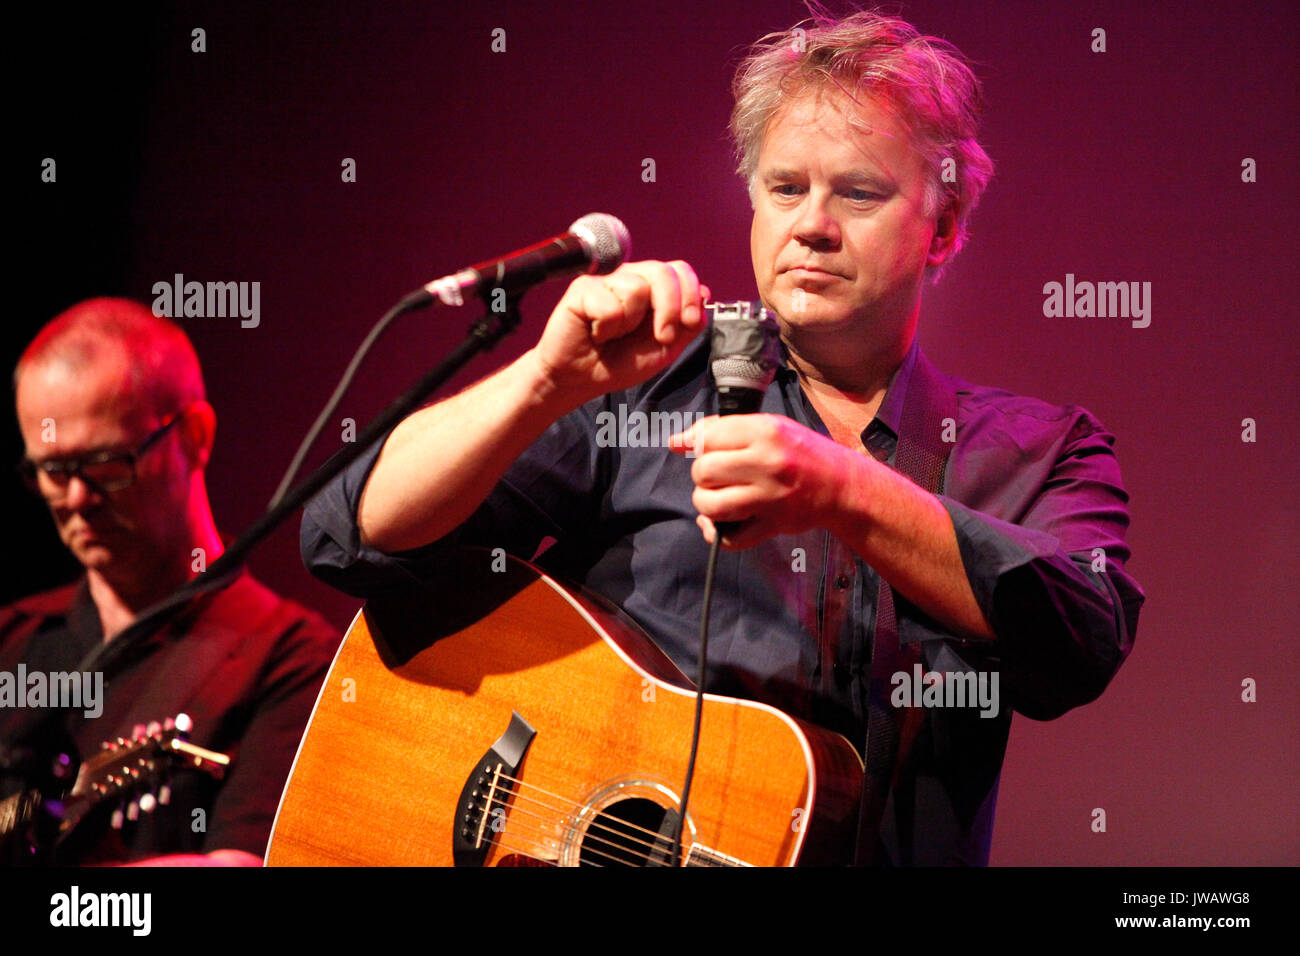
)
(703, 856)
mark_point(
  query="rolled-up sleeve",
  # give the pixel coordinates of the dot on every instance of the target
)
(551, 487)
(1052, 585)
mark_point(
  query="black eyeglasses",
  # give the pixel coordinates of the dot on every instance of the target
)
(104, 471)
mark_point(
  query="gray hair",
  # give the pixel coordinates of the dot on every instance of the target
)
(925, 78)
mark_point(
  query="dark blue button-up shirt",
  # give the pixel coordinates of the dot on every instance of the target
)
(1040, 515)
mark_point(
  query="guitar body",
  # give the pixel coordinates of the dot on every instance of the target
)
(398, 765)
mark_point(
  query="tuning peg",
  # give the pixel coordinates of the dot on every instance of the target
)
(117, 820)
(168, 724)
(183, 723)
(165, 794)
(154, 728)
(133, 811)
(147, 802)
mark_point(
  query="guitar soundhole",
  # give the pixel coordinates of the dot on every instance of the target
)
(632, 832)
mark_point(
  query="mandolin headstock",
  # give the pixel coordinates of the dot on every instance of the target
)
(136, 771)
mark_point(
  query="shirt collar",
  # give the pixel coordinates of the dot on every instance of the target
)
(890, 413)
(83, 617)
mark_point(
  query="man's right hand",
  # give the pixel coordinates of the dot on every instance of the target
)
(608, 333)
(613, 332)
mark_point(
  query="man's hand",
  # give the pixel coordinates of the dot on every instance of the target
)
(778, 477)
(607, 333)
(767, 471)
(613, 332)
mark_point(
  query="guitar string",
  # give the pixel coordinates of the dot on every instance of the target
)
(704, 859)
(515, 833)
(581, 861)
(699, 855)
(502, 845)
(522, 833)
(657, 842)
(624, 835)
(649, 845)
(656, 839)
(591, 838)
(548, 862)
(628, 837)
(542, 845)
(519, 831)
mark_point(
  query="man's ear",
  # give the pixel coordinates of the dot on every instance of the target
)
(198, 431)
(944, 239)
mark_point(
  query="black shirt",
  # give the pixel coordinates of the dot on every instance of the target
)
(246, 667)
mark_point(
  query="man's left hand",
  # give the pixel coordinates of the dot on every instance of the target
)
(767, 471)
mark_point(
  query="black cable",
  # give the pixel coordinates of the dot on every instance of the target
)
(699, 695)
(483, 334)
(414, 300)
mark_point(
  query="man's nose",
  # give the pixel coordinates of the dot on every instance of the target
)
(79, 493)
(816, 225)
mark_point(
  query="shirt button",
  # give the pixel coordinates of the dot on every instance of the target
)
(842, 581)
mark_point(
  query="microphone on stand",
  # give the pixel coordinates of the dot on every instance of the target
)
(596, 244)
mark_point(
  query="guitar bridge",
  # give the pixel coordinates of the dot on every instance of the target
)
(481, 811)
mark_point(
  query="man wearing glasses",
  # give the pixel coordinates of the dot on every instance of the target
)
(117, 434)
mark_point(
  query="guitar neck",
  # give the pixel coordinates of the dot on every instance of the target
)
(703, 856)
(112, 773)
(122, 767)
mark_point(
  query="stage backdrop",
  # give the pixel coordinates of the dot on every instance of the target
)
(340, 156)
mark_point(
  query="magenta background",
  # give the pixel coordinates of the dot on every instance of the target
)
(1116, 166)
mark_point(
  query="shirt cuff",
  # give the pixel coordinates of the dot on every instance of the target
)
(1061, 628)
(330, 540)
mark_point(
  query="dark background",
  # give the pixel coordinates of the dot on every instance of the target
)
(1122, 166)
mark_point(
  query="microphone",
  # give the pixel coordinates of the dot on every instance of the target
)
(596, 244)
(745, 354)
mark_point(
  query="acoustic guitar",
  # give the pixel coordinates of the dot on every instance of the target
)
(500, 719)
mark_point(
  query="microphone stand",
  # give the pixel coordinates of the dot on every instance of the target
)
(483, 334)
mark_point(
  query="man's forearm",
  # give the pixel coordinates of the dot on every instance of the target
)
(907, 535)
(440, 463)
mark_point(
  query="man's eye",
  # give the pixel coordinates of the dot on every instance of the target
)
(862, 195)
(787, 189)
